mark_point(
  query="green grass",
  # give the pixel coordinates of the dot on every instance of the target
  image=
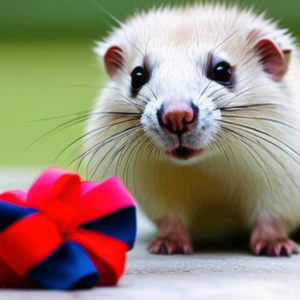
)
(41, 79)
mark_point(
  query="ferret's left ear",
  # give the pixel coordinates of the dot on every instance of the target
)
(113, 60)
(274, 60)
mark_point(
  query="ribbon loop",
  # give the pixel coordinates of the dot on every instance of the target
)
(75, 269)
(57, 194)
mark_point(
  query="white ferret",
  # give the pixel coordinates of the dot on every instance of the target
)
(201, 120)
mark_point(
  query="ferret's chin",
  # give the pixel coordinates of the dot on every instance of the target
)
(184, 154)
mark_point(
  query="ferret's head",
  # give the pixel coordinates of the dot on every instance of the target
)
(192, 71)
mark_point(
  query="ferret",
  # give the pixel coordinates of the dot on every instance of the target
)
(200, 118)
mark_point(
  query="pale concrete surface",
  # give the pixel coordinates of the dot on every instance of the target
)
(209, 274)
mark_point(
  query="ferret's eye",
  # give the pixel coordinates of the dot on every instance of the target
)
(221, 73)
(139, 77)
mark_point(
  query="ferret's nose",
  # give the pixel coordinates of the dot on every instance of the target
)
(178, 117)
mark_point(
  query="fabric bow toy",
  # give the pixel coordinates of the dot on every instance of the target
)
(64, 233)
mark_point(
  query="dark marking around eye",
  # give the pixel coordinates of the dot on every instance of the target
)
(221, 72)
(139, 77)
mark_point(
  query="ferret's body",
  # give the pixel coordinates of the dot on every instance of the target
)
(201, 120)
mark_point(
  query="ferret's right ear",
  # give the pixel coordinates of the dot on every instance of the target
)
(275, 61)
(273, 58)
(113, 60)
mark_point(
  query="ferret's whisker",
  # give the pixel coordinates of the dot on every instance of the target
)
(254, 143)
(254, 153)
(121, 118)
(128, 100)
(261, 118)
(247, 107)
(259, 134)
(86, 86)
(97, 131)
(129, 155)
(111, 139)
(54, 118)
(110, 15)
(58, 128)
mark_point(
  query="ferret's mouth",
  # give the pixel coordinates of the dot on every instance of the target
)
(184, 153)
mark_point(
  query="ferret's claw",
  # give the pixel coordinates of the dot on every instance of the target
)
(268, 238)
(172, 238)
(165, 245)
(282, 247)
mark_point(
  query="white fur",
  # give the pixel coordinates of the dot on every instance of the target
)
(231, 184)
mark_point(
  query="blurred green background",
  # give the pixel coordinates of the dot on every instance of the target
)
(48, 69)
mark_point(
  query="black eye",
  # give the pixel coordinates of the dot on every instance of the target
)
(221, 73)
(139, 77)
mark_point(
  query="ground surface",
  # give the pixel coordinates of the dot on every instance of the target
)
(217, 273)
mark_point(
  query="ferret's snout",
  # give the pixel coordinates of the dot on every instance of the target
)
(177, 116)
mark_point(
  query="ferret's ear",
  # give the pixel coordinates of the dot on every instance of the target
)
(113, 60)
(274, 60)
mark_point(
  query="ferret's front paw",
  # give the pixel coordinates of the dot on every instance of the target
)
(169, 245)
(172, 237)
(280, 247)
(269, 238)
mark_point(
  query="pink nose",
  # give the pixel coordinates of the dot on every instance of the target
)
(178, 116)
